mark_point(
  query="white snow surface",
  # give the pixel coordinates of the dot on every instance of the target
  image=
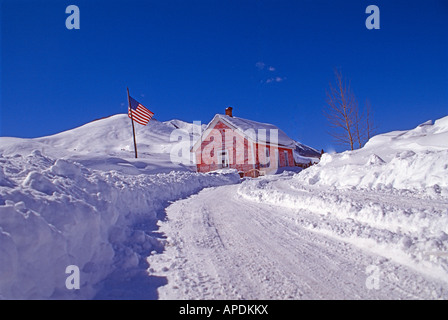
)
(400, 161)
(108, 144)
(142, 228)
(79, 198)
(318, 234)
(265, 239)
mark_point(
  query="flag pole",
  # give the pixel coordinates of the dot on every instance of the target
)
(132, 121)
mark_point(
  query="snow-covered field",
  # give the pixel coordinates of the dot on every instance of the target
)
(371, 223)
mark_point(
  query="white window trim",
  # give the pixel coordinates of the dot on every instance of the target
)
(268, 157)
(225, 153)
(277, 156)
(285, 152)
(253, 154)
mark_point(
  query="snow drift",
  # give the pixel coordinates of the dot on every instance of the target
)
(107, 144)
(390, 197)
(78, 197)
(399, 161)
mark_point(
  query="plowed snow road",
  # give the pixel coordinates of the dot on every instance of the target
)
(222, 246)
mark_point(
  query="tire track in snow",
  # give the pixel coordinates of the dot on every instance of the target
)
(221, 246)
(405, 228)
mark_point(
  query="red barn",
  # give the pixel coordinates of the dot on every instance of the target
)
(251, 147)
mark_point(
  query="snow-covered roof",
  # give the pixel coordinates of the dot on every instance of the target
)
(256, 131)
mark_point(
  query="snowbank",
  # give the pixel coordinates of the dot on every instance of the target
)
(390, 197)
(405, 228)
(56, 213)
(79, 198)
(399, 161)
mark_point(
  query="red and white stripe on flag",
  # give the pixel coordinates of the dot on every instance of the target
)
(140, 114)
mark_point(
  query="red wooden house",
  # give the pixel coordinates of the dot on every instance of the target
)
(251, 147)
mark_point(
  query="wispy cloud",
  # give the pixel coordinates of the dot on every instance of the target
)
(260, 65)
(275, 79)
(269, 69)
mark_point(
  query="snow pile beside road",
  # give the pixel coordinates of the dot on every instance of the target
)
(390, 197)
(407, 228)
(58, 212)
(399, 161)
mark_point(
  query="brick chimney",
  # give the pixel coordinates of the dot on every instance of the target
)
(229, 111)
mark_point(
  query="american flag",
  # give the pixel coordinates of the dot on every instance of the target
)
(139, 113)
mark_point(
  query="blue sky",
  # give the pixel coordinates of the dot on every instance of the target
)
(271, 60)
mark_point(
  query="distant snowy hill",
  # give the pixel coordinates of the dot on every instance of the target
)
(304, 154)
(190, 127)
(108, 144)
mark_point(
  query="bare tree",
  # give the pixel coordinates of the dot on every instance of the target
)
(351, 126)
(358, 125)
(370, 125)
(342, 112)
